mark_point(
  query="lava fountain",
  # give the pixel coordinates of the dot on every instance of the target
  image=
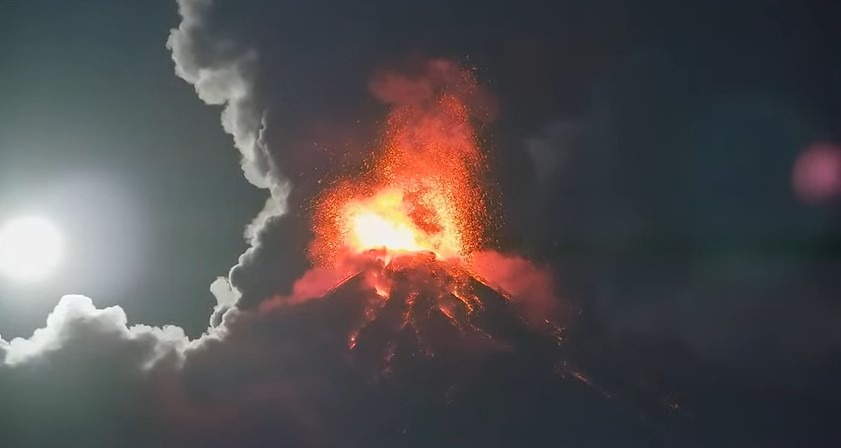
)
(412, 227)
(422, 193)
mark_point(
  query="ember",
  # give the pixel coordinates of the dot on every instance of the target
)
(422, 192)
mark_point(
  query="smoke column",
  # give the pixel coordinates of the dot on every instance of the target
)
(223, 72)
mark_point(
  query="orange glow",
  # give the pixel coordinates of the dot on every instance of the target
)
(415, 212)
(413, 223)
(385, 222)
(405, 238)
(421, 192)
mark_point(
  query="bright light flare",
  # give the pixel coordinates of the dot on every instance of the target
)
(371, 230)
(30, 248)
(396, 223)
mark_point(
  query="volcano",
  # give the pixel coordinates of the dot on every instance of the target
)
(407, 231)
(441, 357)
(439, 334)
(436, 322)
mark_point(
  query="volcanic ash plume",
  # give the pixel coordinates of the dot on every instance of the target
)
(223, 71)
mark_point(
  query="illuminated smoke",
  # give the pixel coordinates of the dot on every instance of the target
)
(527, 283)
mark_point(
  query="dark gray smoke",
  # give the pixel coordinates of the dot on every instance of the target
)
(84, 377)
(224, 73)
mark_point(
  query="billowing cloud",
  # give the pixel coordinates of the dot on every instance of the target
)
(84, 378)
(88, 378)
(75, 318)
(223, 71)
(282, 375)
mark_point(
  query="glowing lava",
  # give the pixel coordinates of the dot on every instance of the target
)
(422, 193)
(401, 252)
(407, 233)
(389, 221)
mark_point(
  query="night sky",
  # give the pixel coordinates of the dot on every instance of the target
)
(643, 153)
(139, 172)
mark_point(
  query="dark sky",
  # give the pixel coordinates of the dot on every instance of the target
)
(643, 150)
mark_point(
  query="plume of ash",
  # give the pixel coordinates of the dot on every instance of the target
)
(424, 79)
(222, 67)
(223, 72)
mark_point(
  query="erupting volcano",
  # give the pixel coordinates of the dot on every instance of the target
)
(407, 237)
(422, 193)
